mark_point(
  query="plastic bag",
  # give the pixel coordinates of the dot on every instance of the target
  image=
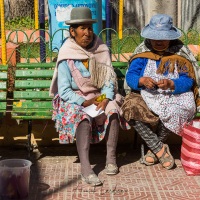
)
(190, 148)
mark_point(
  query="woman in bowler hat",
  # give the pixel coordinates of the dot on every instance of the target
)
(83, 74)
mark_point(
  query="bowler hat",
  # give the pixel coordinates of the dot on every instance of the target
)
(81, 15)
(161, 27)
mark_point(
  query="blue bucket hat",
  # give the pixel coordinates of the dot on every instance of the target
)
(161, 27)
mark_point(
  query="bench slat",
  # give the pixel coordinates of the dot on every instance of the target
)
(198, 114)
(23, 117)
(3, 85)
(34, 73)
(27, 111)
(4, 68)
(31, 95)
(32, 114)
(2, 106)
(36, 65)
(120, 65)
(3, 95)
(3, 76)
(32, 105)
(24, 84)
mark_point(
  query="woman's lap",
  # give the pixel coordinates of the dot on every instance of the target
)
(68, 116)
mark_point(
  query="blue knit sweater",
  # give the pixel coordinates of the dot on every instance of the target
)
(136, 70)
(67, 85)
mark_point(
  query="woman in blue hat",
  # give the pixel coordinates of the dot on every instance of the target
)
(163, 71)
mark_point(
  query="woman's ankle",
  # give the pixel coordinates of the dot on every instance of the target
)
(87, 172)
(160, 153)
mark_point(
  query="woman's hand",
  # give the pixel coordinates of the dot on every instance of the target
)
(102, 105)
(147, 82)
(165, 84)
(89, 102)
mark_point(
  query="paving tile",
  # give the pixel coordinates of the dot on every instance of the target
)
(55, 175)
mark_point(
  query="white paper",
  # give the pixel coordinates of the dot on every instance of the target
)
(91, 110)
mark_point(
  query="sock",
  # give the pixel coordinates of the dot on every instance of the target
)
(83, 132)
(112, 139)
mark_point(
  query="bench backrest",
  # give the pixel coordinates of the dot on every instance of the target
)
(3, 89)
(120, 70)
(31, 92)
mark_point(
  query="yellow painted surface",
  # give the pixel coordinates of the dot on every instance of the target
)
(36, 12)
(3, 34)
(18, 104)
(121, 9)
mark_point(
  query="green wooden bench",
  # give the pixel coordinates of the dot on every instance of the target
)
(3, 89)
(31, 99)
(31, 94)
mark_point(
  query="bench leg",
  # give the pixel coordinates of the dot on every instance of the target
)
(30, 148)
(135, 140)
(142, 153)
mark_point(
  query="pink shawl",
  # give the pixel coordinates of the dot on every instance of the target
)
(100, 65)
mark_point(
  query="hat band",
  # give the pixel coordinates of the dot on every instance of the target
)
(160, 27)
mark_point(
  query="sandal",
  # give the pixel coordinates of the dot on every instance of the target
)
(111, 169)
(91, 179)
(169, 158)
(152, 155)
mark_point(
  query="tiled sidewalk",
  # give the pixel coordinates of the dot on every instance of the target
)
(55, 176)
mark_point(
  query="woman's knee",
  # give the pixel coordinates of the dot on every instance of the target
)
(114, 116)
(85, 122)
(83, 126)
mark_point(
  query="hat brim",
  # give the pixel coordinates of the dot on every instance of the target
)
(81, 21)
(149, 33)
